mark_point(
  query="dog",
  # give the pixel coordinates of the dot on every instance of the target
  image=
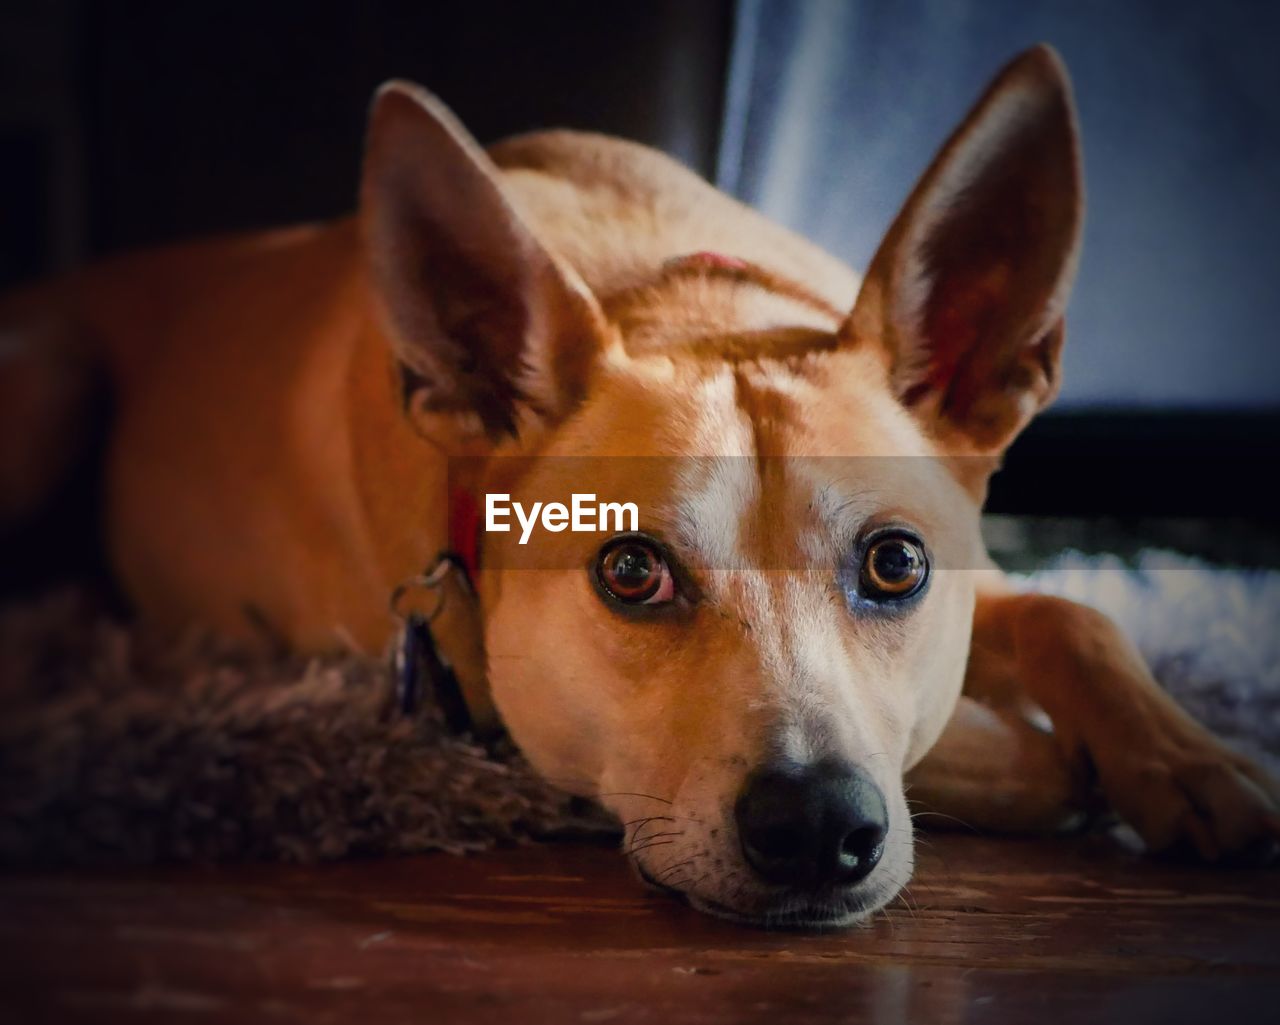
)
(806, 622)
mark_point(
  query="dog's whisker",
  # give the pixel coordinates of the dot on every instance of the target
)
(638, 834)
(640, 843)
(893, 926)
(583, 787)
(658, 843)
(684, 884)
(918, 884)
(904, 897)
(914, 900)
(679, 864)
(662, 877)
(672, 818)
(943, 815)
(632, 793)
(648, 818)
(911, 836)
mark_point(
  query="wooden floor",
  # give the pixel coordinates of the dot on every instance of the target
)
(993, 931)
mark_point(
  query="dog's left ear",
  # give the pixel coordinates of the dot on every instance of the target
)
(491, 328)
(966, 292)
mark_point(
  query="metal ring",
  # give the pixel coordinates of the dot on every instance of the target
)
(432, 580)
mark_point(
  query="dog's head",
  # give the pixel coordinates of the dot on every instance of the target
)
(745, 681)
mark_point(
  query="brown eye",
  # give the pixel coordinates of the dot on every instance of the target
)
(894, 567)
(634, 572)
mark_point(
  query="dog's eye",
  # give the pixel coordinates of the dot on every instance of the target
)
(894, 567)
(633, 571)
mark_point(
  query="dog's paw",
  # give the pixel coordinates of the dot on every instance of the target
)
(1197, 798)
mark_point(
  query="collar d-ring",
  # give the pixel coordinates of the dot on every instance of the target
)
(432, 580)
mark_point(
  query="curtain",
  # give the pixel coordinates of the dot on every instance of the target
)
(834, 107)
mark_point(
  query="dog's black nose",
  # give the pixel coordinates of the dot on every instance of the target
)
(812, 825)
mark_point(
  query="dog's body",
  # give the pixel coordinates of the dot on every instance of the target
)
(289, 404)
(215, 346)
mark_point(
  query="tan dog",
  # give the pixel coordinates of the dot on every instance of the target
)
(788, 636)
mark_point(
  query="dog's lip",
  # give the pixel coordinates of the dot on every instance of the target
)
(644, 874)
(811, 915)
(814, 913)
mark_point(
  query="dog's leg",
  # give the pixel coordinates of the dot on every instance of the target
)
(996, 770)
(1161, 771)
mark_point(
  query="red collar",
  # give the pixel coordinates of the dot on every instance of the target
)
(707, 260)
(464, 530)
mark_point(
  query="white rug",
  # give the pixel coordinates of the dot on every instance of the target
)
(1210, 634)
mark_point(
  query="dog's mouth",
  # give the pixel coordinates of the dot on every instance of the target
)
(816, 911)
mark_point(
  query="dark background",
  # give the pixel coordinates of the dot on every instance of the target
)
(128, 124)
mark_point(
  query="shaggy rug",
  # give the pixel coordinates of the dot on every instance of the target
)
(116, 749)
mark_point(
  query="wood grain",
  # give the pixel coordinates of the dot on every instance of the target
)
(992, 931)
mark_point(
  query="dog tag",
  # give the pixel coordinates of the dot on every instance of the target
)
(420, 667)
(440, 651)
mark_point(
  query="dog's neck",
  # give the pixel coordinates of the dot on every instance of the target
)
(398, 475)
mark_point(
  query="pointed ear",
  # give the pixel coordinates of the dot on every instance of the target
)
(967, 291)
(486, 322)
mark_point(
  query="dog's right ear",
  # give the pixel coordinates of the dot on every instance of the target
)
(488, 325)
(966, 294)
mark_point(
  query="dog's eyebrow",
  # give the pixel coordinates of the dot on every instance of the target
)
(734, 268)
(779, 343)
